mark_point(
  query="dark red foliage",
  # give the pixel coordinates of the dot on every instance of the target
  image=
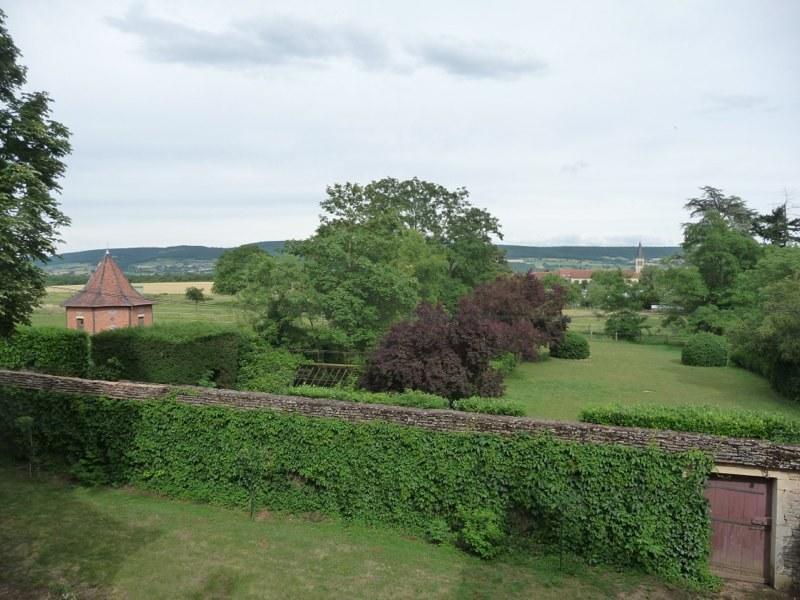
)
(450, 356)
(522, 314)
(436, 354)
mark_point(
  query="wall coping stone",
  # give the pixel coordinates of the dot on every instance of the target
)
(730, 451)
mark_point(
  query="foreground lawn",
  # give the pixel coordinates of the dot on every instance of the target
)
(626, 373)
(61, 541)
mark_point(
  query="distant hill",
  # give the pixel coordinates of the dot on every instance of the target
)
(201, 259)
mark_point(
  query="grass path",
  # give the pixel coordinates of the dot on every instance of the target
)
(625, 373)
(57, 540)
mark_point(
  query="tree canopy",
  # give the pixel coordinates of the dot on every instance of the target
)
(32, 149)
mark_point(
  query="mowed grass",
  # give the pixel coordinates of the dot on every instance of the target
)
(171, 304)
(61, 541)
(627, 373)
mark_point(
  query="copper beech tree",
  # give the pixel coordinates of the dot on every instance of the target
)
(451, 355)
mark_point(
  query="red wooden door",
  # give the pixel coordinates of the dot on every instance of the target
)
(740, 521)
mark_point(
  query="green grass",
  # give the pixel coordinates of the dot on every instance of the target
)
(57, 540)
(169, 308)
(627, 373)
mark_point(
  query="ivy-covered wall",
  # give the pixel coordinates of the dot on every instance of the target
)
(627, 506)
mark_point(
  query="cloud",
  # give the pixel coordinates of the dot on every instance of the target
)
(575, 167)
(477, 62)
(282, 41)
(275, 42)
(734, 102)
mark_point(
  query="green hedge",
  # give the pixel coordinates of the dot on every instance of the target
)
(573, 346)
(639, 508)
(699, 419)
(180, 354)
(51, 350)
(705, 350)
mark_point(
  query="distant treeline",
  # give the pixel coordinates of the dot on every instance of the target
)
(134, 278)
(129, 258)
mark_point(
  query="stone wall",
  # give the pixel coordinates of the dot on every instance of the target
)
(740, 452)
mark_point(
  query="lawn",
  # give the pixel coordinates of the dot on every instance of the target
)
(627, 373)
(171, 304)
(57, 540)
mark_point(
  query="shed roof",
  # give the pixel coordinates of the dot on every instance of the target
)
(109, 287)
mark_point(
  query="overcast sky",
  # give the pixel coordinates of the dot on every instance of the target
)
(221, 123)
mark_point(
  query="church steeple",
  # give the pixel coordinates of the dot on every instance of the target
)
(638, 263)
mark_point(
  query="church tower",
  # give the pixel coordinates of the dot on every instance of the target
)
(638, 263)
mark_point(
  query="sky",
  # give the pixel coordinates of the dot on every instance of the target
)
(222, 123)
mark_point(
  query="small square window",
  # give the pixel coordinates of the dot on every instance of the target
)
(79, 322)
(141, 321)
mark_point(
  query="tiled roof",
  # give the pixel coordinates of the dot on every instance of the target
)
(107, 287)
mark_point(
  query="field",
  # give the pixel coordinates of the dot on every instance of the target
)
(627, 373)
(60, 541)
(171, 305)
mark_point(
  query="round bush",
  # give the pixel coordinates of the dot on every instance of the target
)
(573, 345)
(625, 325)
(705, 350)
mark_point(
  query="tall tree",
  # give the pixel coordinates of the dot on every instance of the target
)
(233, 268)
(32, 148)
(776, 228)
(732, 209)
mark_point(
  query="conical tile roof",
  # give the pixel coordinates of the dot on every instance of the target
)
(107, 287)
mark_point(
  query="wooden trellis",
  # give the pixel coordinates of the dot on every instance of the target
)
(325, 374)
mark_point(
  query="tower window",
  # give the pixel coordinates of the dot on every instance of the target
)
(140, 321)
(79, 322)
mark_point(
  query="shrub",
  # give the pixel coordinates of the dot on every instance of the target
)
(505, 363)
(438, 532)
(177, 354)
(46, 349)
(266, 369)
(699, 419)
(572, 346)
(637, 507)
(411, 398)
(435, 354)
(705, 350)
(490, 406)
(625, 325)
(481, 532)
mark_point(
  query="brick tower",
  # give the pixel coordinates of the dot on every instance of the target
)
(108, 302)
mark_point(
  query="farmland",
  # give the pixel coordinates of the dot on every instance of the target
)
(57, 540)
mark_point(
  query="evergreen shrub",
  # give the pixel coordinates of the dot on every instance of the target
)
(705, 350)
(572, 346)
(634, 507)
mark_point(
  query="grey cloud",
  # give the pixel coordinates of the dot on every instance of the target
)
(477, 62)
(575, 167)
(734, 102)
(280, 41)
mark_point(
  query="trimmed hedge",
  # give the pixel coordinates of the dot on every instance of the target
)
(179, 354)
(640, 508)
(705, 350)
(263, 368)
(52, 350)
(699, 419)
(573, 346)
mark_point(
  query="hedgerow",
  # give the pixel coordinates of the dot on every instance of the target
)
(640, 508)
(177, 354)
(699, 419)
(46, 349)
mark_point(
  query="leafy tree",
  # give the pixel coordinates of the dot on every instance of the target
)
(776, 228)
(732, 209)
(444, 217)
(625, 325)
(32, 149)
(682, 291)
(434, 353)
(609, 290)
(520, 313)
(573, 290)
(360, 281)
(231, 272)
(720, 252)
(195, 294)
